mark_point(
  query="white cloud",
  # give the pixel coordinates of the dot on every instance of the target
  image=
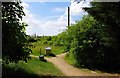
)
(59, 9)
(76, 8)
(50, 27)
(25, 5)
(46, 0)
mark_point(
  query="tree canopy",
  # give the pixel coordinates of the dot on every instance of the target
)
(90, 46)
(108, 14)
(14, 42)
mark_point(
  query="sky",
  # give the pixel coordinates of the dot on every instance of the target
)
(50, 18)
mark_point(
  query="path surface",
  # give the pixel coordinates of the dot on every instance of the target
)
(69, 70)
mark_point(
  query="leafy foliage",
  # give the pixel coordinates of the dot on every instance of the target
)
(86, 41)
(14, 41)
(108, 14)
(89, 45)
(32, 39)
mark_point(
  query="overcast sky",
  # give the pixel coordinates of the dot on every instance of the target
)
(50, 18)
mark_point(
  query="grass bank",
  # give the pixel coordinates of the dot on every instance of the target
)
(69, 58)
(34, 68)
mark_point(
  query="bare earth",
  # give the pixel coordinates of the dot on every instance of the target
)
(69, 70)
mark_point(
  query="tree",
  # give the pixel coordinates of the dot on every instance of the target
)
(108, 14)
(14, 39)
(87, 43)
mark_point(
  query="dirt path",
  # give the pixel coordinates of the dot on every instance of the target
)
(69, 70)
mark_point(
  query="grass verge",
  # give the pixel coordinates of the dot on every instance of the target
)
(70, 60)
(34, 68)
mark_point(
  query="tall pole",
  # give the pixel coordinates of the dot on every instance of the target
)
(68, 17)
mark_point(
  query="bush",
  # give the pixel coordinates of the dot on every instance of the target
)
(32, 40)
(90, 46)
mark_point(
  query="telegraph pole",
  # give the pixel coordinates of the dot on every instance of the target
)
(68, 17)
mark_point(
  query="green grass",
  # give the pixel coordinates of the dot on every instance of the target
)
(33, 68)
(70, 59)
(44, 68)
(55, 49)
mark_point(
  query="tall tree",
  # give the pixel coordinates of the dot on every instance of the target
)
(108, 14)
(14, 42)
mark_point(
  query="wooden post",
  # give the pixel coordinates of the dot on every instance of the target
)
(68, 17)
